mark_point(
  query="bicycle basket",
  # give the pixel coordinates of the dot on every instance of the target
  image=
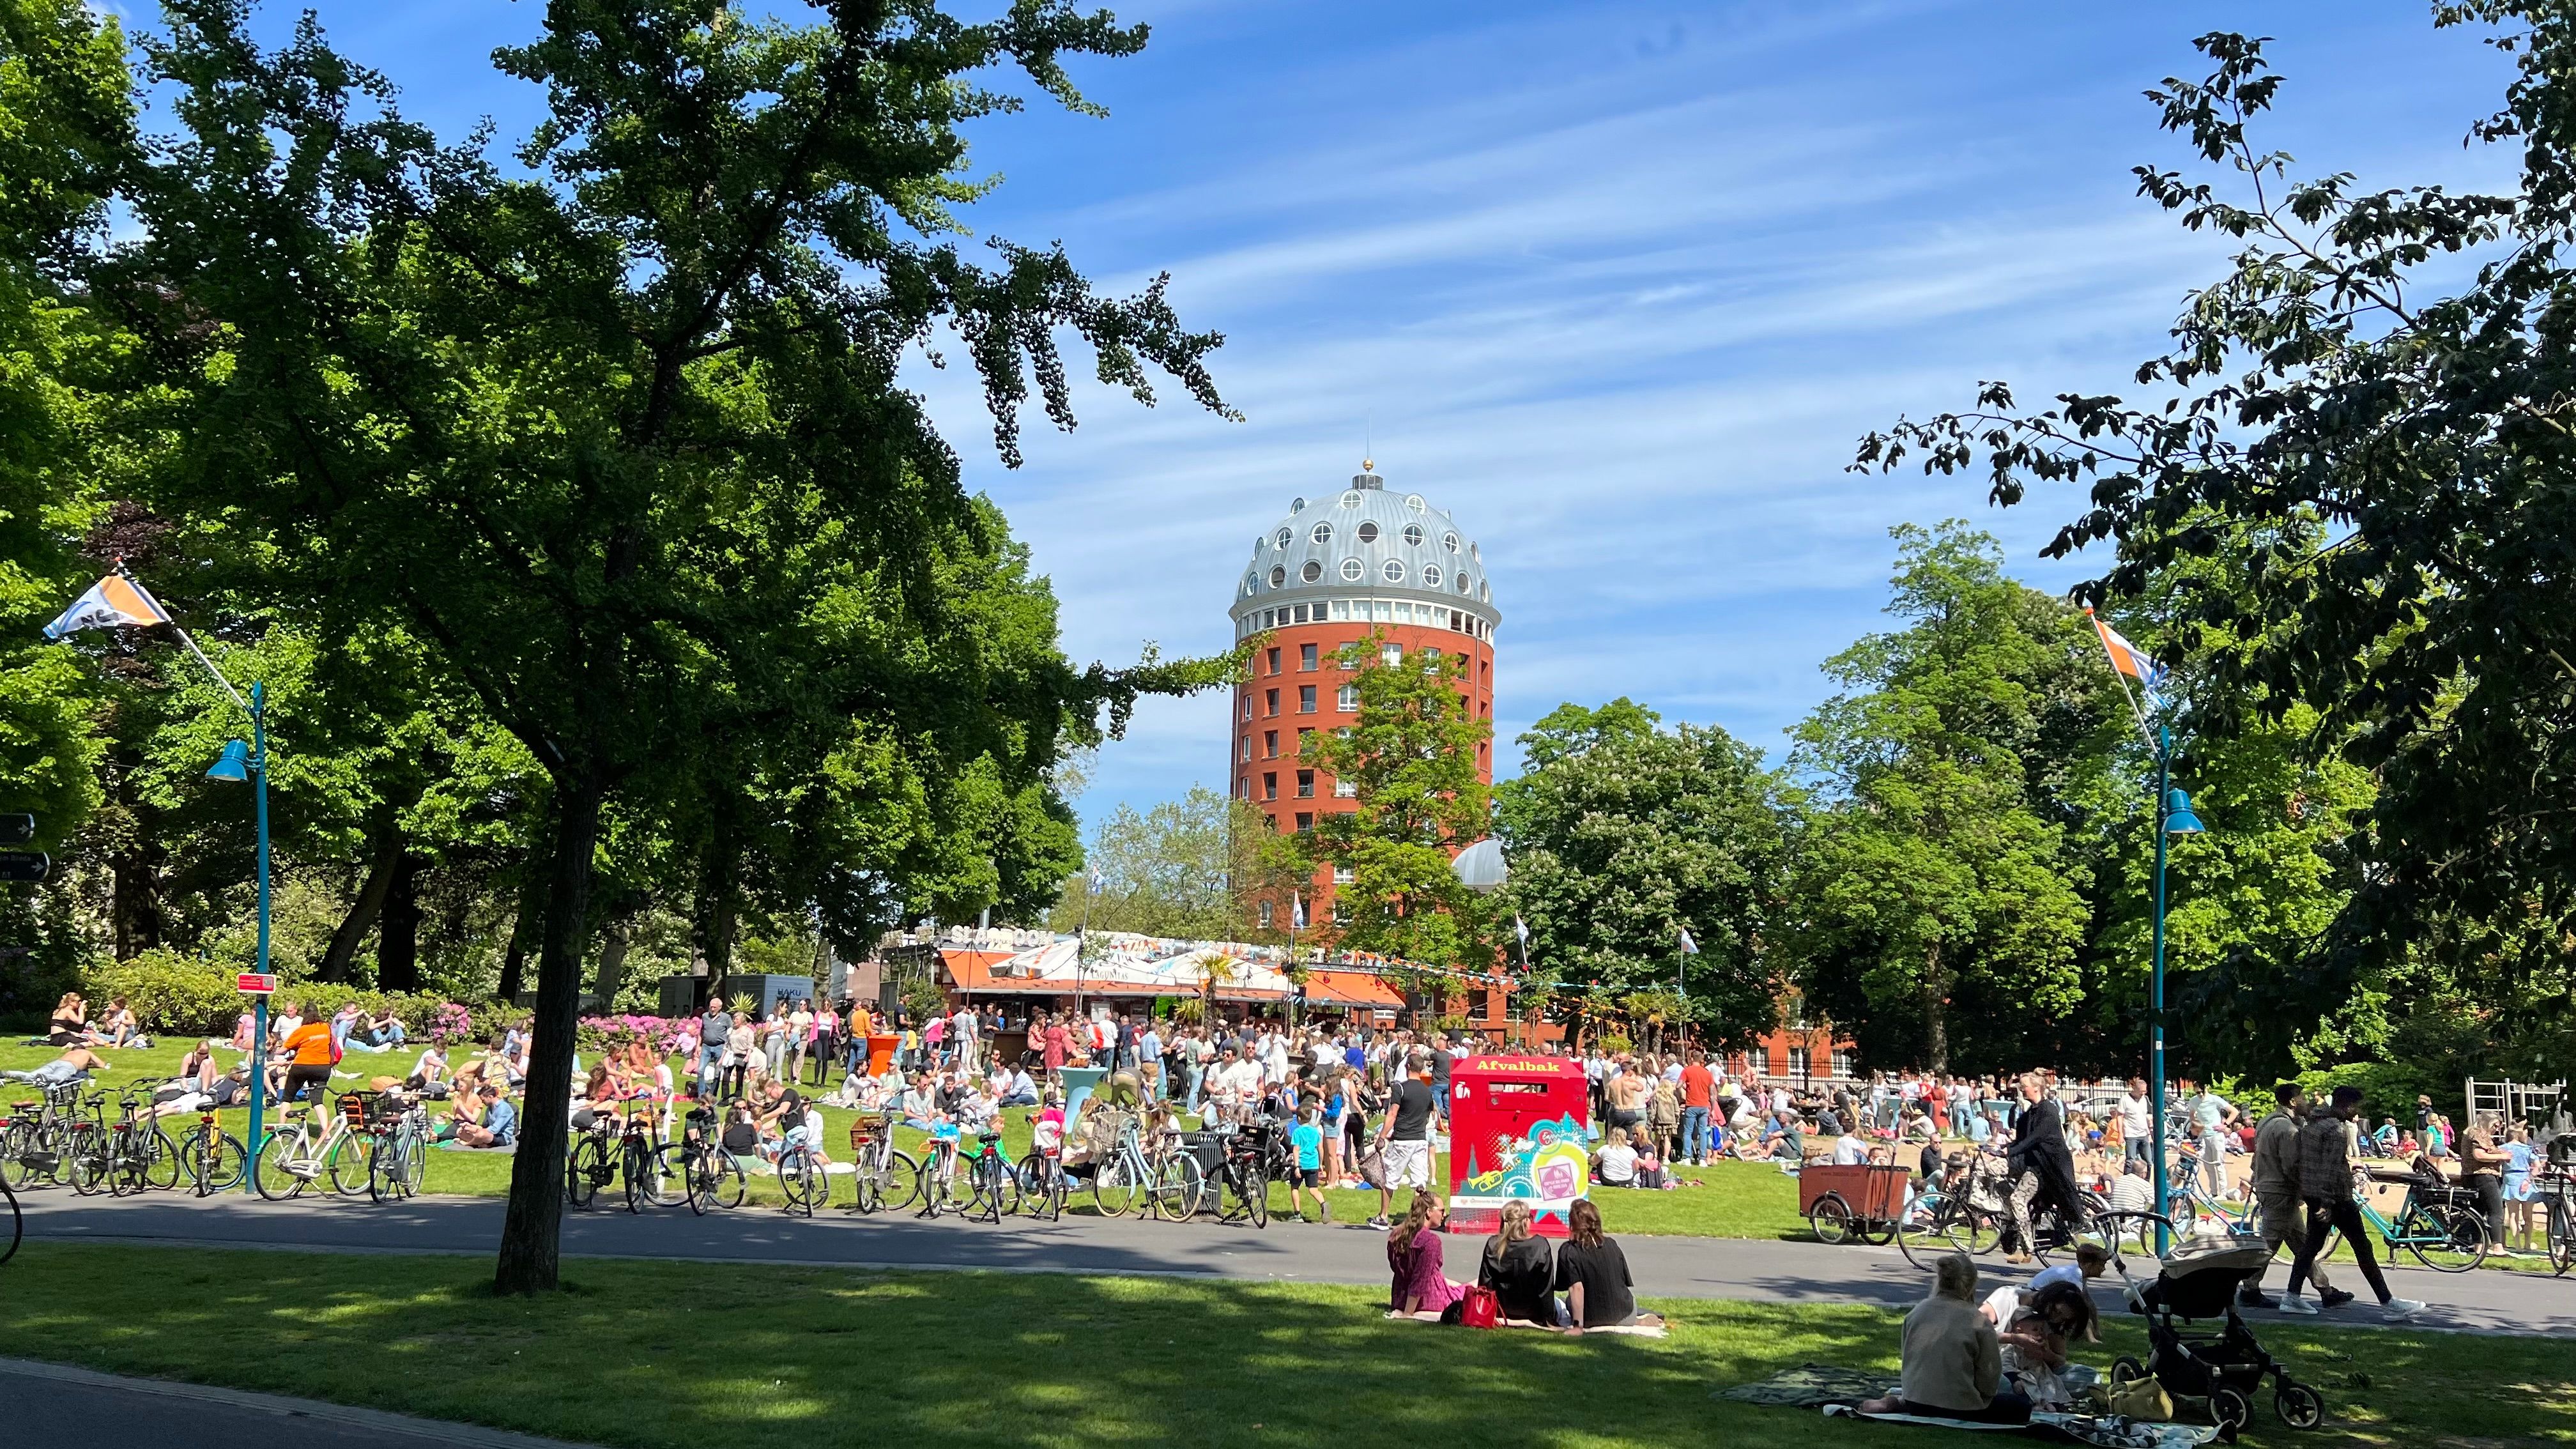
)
(354, 1107)
(862, 1135)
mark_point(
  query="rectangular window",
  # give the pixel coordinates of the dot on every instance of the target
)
(1342, 657)
(1247, 747)
(1384, 611)
(1344, 875)
(1341, 609)
(1345, 790)
(1305, 823)
(1393, 654)
(1348, 701)
(1247, 704)
(1432, 653)
(1270, 701)
(1342, 916)
(1300, 612)
(1301, 739)
(1306, 657)
(1266, 618)
(1798, 1062)
(1842, 1063)
(1265, 925)
(1305, 784)
(1305, 699)
(1270, 744)
(1270, 785)
(1274, 661)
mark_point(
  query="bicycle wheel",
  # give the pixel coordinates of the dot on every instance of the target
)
(351, 1163)
(1114, 1186)
(212, 1161)
(384, 1172)
(1930, 1232)
(715, 1180)
(1180, 1188)
(1037, 1186)
(16, 1141)
(415, 1161)
(997, 1190)
(585, 1169)
(665, 1182)
(86, 1158)
(801, 1178)
(2444, 1237)
(161, 1159)
(125, 1164)
(17, 1224)
(273, 1171)
(2562, 1236)
(929, 1187)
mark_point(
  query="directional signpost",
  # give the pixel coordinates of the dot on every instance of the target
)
(21, 865)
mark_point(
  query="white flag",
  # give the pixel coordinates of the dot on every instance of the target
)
(1689, 946)
(1520, 928)
(1297, 905)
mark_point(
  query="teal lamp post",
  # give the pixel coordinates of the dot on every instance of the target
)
(2173, 817)
(249, 762)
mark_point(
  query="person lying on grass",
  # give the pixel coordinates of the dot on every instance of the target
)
(74, 1065)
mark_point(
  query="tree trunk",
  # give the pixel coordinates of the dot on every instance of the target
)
(398, 936)
(532, 1228)
(614, 938)
(719, 883)
(530, 920)
(135, 897)
(384, 863)
(1936, 1011)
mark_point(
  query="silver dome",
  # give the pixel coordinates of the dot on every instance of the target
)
(1365, 544)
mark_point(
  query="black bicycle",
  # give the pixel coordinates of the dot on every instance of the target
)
(713, 1177)
(1242, 1175)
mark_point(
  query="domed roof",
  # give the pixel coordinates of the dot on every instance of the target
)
(1365, 540)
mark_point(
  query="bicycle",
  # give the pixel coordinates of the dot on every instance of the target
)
(289, 1159)
(1042, 1183)
(210, 1158)
(992, 1191)
(592, 1162)
(399, 1157)
(141, 1156)
(34, 1146)
(1242, 1187)
(712, 1177)
(1179, 1188)
(2555, 1184)
(2444, 1232)
(17, 1222)
(645, 1161)
(881, 1175)
(801, 1176)
(1939, 1221)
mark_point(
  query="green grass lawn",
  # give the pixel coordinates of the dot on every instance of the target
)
(681, 1355)
(1736, 1200)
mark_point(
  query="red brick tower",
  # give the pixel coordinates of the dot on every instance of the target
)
(1329, 573)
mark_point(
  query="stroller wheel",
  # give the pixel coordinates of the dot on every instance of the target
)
(2125, 1369)
(2298, 1405)
(2229, 1406)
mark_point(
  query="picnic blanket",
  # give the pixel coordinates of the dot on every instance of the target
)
(1836, 1390)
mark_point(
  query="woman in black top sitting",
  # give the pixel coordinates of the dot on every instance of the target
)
(1521, 1269)
(1593, 1274)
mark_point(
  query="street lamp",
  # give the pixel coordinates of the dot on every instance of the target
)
(249, 762)
(2173, 817)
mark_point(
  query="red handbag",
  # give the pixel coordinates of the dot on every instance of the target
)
(1481, 1309)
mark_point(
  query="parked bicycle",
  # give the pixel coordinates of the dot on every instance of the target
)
(211, 1159)
(295, 1155)
(882, 1176)
(35, 1136)
(1242, 1184)
(713, 1176)
(2441, 1225)
(399, 1156)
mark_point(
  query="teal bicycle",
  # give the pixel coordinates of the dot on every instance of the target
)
(2440, 1225)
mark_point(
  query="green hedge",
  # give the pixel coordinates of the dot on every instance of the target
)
(175, 995)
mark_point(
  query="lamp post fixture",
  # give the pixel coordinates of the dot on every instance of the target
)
(2173, 817)
(250, 762)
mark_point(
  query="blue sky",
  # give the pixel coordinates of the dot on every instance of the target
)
(1617, 284)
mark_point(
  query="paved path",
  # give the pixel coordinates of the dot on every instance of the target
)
(52, 1404)
(1774, 1271)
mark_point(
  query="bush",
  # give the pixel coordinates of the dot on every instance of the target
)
(175, 995)
(661, 1033)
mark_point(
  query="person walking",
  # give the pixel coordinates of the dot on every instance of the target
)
(1404, 1136)
(1699, 1094)
(2276, 1194)
(713, 1028)
(2325, 1187)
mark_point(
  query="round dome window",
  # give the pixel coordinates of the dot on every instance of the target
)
(1321, 533)
(1431, 576)
(1413, 535)
(1462, 583)
(1281, 539)
(1368, 533)
(1296, 505)
(1278, 578)
(1393, 571)
(1311, 572)
(1485, 592)
(1449, 541)
(1352, 569)
(1414, 502)
(1251, 584)
(1351, 499)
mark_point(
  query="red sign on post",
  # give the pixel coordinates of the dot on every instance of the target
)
(256, 983)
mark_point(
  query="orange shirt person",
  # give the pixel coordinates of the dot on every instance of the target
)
(309, 1051)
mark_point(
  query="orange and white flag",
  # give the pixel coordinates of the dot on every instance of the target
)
(111, 602)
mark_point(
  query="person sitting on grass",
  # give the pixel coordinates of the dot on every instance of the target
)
(1520, 1267)
(430, 1070)
(1950, 1363)
(1615, 1165)
(1786, 1140)
(2033, 1326)
(1419, 1288)
(1592, 1273)
(498, 1125)
(119, 1028)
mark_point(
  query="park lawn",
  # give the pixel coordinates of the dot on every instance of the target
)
(1739, 1199)
(682, 1355)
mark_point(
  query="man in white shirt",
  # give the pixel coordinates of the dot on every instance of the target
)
(2137, 1120)
(1850, 1151)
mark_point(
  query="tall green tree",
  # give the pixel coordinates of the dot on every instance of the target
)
(1621, 834)
(1933, 893)
(1174, 870)
(625, 441)
(2376, 389)
(1410, 757)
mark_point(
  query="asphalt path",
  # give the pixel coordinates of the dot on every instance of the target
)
(1677, 1267)
(52, 1404)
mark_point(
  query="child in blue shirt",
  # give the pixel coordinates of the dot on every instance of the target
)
(1308, 1138)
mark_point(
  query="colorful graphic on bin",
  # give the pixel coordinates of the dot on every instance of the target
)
(1547, 1168)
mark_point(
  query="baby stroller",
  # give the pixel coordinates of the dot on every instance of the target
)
(2197, 1346)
